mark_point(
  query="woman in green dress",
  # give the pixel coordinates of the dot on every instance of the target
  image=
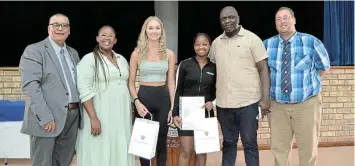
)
(102, 83)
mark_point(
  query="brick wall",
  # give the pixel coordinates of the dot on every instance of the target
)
(338, 105)
(10, 84)
(337, 126)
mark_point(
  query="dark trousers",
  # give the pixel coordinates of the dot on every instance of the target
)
(157, 100)
(239, 120)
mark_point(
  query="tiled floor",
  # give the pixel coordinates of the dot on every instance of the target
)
(331, 156)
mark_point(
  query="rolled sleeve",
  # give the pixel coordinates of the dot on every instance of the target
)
(211, 54)
(85, 77)
(320, 56)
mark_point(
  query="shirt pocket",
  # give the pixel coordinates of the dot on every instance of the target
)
(303, 62)
(242, 51)
(241, 56)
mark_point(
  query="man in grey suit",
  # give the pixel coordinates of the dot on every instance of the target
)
(48, 79)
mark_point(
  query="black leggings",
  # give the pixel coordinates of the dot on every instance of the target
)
(157, 100)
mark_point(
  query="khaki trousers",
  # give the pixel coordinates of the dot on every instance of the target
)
(301, 120)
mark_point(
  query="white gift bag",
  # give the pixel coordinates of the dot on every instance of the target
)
(206, 139)
(144, 138)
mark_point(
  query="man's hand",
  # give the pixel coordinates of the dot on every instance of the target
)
(264, 74)
(264, 104)
(50, 126)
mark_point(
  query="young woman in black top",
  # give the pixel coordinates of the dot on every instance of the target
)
(196, 76)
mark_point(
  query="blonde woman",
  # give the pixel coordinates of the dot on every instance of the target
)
(156, 64)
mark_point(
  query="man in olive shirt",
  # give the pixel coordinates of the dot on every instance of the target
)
(243, 84)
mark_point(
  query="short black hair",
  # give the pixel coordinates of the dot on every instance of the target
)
(202, 34)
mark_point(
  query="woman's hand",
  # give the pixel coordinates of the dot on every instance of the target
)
(208, 106)
(177, 121)
(95, 126)
(142, 110)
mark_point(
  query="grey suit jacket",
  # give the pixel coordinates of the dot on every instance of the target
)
(43, 83)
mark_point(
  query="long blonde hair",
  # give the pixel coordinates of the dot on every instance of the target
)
(142, 43)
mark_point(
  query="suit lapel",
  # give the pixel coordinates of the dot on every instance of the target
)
(55, 60)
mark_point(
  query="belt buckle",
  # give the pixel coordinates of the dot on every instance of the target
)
(71, 106)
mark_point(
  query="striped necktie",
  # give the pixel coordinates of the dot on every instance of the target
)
(286, 86)
(73, 91)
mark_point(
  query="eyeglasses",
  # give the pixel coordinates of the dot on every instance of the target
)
(283, 19)
(57, 25)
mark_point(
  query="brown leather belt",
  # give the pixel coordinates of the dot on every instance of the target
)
(72, 106)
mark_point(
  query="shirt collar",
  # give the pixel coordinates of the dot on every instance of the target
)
(56, 47)
(281, 40)
(240, 33)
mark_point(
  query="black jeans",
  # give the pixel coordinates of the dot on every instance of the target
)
(157, 100)
(233, 121)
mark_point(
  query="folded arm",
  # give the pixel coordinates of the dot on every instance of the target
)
(85, 79)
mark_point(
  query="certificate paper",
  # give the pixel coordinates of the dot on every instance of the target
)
(191, 112)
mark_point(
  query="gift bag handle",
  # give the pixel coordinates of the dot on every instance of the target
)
(209, 113)
(151, 116)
